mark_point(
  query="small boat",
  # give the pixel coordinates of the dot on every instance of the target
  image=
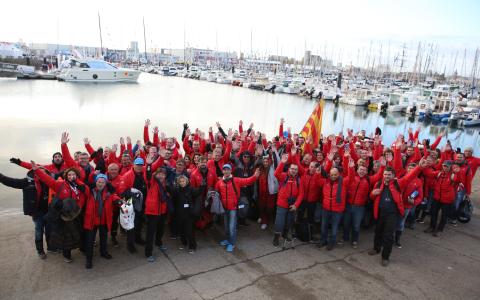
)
(74, 70)
(473, 119)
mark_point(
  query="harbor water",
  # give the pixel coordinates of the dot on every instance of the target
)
(34, 113)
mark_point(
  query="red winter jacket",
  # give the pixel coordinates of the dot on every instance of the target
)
(359, 189)
(474, 163)
(289, 187)
(312, 187)
(196, 179)
(155, 203)
(330, 190)
(444, 190)
(92, 218)
(396, 194)
(62, 188)
(71, 163)
(416, 184)
(227, 193)
(52, 168)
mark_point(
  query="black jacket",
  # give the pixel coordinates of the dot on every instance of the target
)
(35, 194)
(187, 201)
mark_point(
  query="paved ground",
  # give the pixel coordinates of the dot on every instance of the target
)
(446, 267)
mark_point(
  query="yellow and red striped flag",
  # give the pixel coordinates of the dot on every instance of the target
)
(313, 127)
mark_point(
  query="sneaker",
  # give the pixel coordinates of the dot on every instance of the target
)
(224, 243)
(191, 251)
(385, 262)
(398, 245)
(67, 260)
(373, 252)
(114, 242)
(162, 248)
(106, 256)
(421, 221)
(42, 255)
(340, 242)
(321, 245)
(181, 247)
(263, 227)
(230, 248)
(276, 241)
(354, 245)
(88, 265)
(151, 258)
(454, 223)
(259, 221)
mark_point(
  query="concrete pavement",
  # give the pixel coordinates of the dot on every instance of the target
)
(425, 268)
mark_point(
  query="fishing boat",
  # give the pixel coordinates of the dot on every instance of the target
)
(75, 70)
(356, 98)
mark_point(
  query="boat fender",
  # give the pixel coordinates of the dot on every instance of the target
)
(95, 76)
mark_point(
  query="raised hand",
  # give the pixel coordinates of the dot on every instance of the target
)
(16, 161)
(351, 163)
(86, 141)
(330, 156)
(218, 124)
(282, 121)
(149, 159)
(155, 129)
(240, 123)
(251, 126)
(65, 138)
(114, 148)
(284, 158)
(122, 141)
(147, 122)
(129, 140)
(422, 163)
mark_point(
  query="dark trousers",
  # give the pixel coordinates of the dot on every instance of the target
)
(308, 207)
(138, 223)
(41, 228)
(386, 225)
(116, 215)
(155, 229)
(185, 229)
(436, 208)
(90, 240)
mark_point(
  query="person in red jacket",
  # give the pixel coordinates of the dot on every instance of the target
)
(310, 181)
(83, 164)
(443, 195)
(69, 187)
(203, 175)
(473, 162)
(388, 209)
(57, 166)
(114, 178)
(357, 199)
(229, 189)
(155, 210)
(267, 188)
(290, 197)
(334, 191)
(412, 196)
(98, 217)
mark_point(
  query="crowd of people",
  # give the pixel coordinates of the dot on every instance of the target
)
(293, 183)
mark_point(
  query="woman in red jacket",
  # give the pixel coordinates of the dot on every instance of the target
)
(69, 187)
(443, 195)
(155, 210)
(98, 217)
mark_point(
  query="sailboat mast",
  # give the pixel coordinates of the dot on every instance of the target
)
(145, 39)
(100, 30)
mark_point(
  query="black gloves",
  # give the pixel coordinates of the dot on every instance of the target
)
(185, 126)
(81, 188)
(110, 188)
(16, 161)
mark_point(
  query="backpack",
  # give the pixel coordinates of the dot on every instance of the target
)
(303, 231)
(465, 210)
(243, 204)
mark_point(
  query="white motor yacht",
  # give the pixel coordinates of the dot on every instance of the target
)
(95, 71)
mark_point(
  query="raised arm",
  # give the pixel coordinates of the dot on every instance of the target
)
(67, 158)
(13, 182)
(146, 137)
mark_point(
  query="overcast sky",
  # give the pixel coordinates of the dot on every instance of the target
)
(342, 30)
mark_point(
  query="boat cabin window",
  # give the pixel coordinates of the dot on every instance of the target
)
(99, 65)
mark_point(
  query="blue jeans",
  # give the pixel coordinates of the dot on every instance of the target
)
(458, 199)
(401, 221)
(41, 228)
(283, 220)
(330, 218)
(230, 218)
(352, 218)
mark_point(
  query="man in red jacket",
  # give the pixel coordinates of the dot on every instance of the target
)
(473, 162)
(334, 193)
(388, 209)
(290, 196)
(229, 189)
(443, 195)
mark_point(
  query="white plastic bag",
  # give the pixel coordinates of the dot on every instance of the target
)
(127, 215)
